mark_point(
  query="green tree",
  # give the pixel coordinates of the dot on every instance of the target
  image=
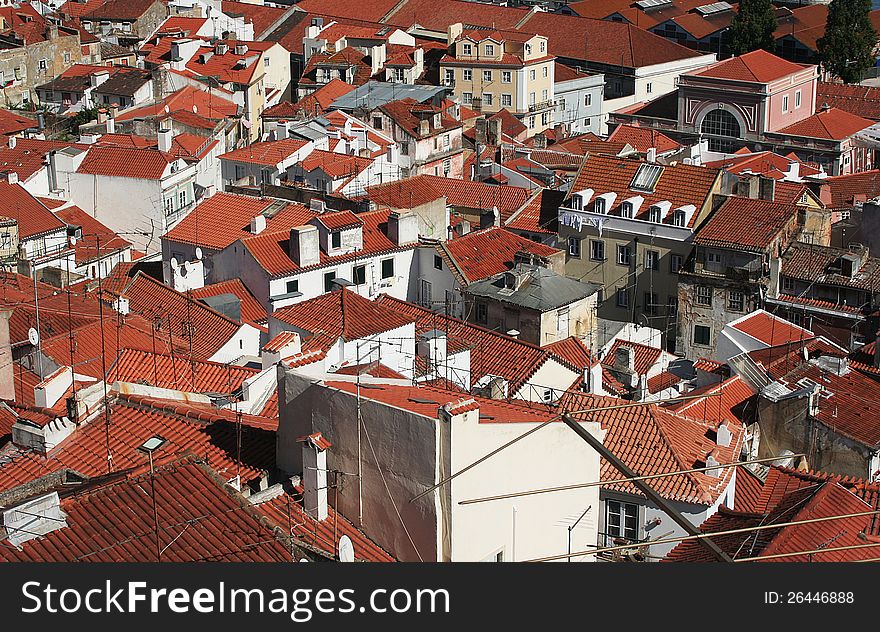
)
(752, 27)
(847, 48)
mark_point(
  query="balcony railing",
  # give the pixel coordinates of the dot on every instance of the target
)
(543, 105)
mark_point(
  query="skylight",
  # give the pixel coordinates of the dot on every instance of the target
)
(646, 178)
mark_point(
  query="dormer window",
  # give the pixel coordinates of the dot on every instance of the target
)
(599, 206)
(336, 239)
(528, 48)
(626, 210)
(679, 218)
(654, 214)
(490, 50)
(466, 49)
(577, 202)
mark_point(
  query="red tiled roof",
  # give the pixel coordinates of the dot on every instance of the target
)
(286, 512)
(438, 16)
(361, 9)
(13, 123)
(771, 330)
(261, 16)
(348, 57)
(33, 218)
(131, 424)
(268, 153)
(209, 330)
(224, 218)
(679, 184)
(336, 165)
(491, 352)
(339, 220)
(179, 374)
(662, 381)
(654, 440)
(75, 8)
(856, 99)
(120, 9)
(821, 264)
(374, 369)
(28, 156)
(645, 356)
(764, 162)
(643, 139)
(819, 501)
(748, 490)
(271, 249)
(318, 102)
(748, 224)
(122, 162)
(342, 313)
(187, 100)
(402, 113)
(574, 351)
(832, 124)
(468, 252)
(113, 520)
(251, 309)
(758, 66)
(539, 215)
(847, 190)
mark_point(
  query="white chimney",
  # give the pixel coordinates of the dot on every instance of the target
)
(651, 154)
(7, 375)
(165, 137)
(12, 142)
(723, 436)
(284, 345)
(305, 249)
(111, 125)
(712, 462)
(258, 224)
(593, 379)
(315, 475)
(96, 79)
(280, 130)
(12, 177)
(34, 518)
(403, 228)
(49, 391)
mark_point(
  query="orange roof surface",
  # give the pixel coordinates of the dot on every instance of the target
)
(644, 356)
(747, 224)
(123, 162)
(224, 218)
(643, 139)
(758, 66)
(335, 165)
(179, 374)
(33, 218)
(268, 153)
(29, 155)
(468, 252)
(251, 309)
(97, 240)
(763, 162)
(771, 330)
(188, 100)
(860, 100)
(13, 123)
(261, 16)
(318, 102)
(832, 124)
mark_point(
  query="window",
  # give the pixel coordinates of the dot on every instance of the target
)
(438, 262)
(43, 64)
(467, 98)
(447, 166)
(543, 46)
(482, 313)
(467, 74)
(546, 71)
(735, 301)
(506, 76)
(646, 178)
(672, 306)
(531, 122)
(506, 100)
(649, 88)
(599, 205)
(448, 76)
(466, 49)
(675, 262)
(785, 103)
(586, 122)
(626, 210)
(597, 250)
(487, 75)
(787, 284)
(487, 98)
(329, 277)
(651, 303)
(704, 295)
(359, 275)
(377, 122)
(623, 254)
(701, 335)
(532, 75)
(720, 123)
(678, 218)
(266, 63)
(545, 118)
(544, 95)
(387, 268)
(622, 297)
(713, 257)
(797, 99)
(336, 239)
(654, 214)
(398, 75)
(588, 100)
(652, 260)
(181, 199)
(66, 58)
(490, 49)
(531, 98)
(547, 395)
(239, 172)
(126, 27)
(574, 247)
(169, 206)
(293, 286)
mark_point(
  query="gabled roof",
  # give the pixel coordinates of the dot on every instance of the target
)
(831, 124)
(341, 314)
(769, 329)
(643, 139)
(112, 520)
(187, 429)
(747, 224)
(403, 114)
(763, 162)
(645, 356)
(187, 317)
(316, 103)
(123, 162)
(13, 123)
(856, 99)
(29, 155)
(222, 219)
(817, 501)
(189, 101)
(269, 153)
(816, 264)
(250, 308)
(33, 218)
(849, 190)
(758, 66)
(655, 440)
(336, 165)
(468, 253)
(179, 374)
(96, 241)
(679, 184)
(120, 10)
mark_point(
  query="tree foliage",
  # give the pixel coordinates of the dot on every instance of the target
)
(752, 27)
(847, 48)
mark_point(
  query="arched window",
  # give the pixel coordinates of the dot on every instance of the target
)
(720, 123)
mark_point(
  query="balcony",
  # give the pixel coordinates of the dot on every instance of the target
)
(543, 105)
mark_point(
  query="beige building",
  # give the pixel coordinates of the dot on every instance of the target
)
(490, 70)
(628, 226)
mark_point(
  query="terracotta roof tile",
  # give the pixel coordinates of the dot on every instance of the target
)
(268, 153)
(748, 224)
(251, 309)
(643, 139)
(96, 241)
(771, 330)
(863, 101)
(832, 124)
(33, 218)
(468, 252)
(758, 66)
(645, 356)
(122, 162)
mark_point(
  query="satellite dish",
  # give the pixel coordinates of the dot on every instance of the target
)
(73, 241)
(173, 262)
(303, 559)
(346, 549)
(198, 254)
(33, 337)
